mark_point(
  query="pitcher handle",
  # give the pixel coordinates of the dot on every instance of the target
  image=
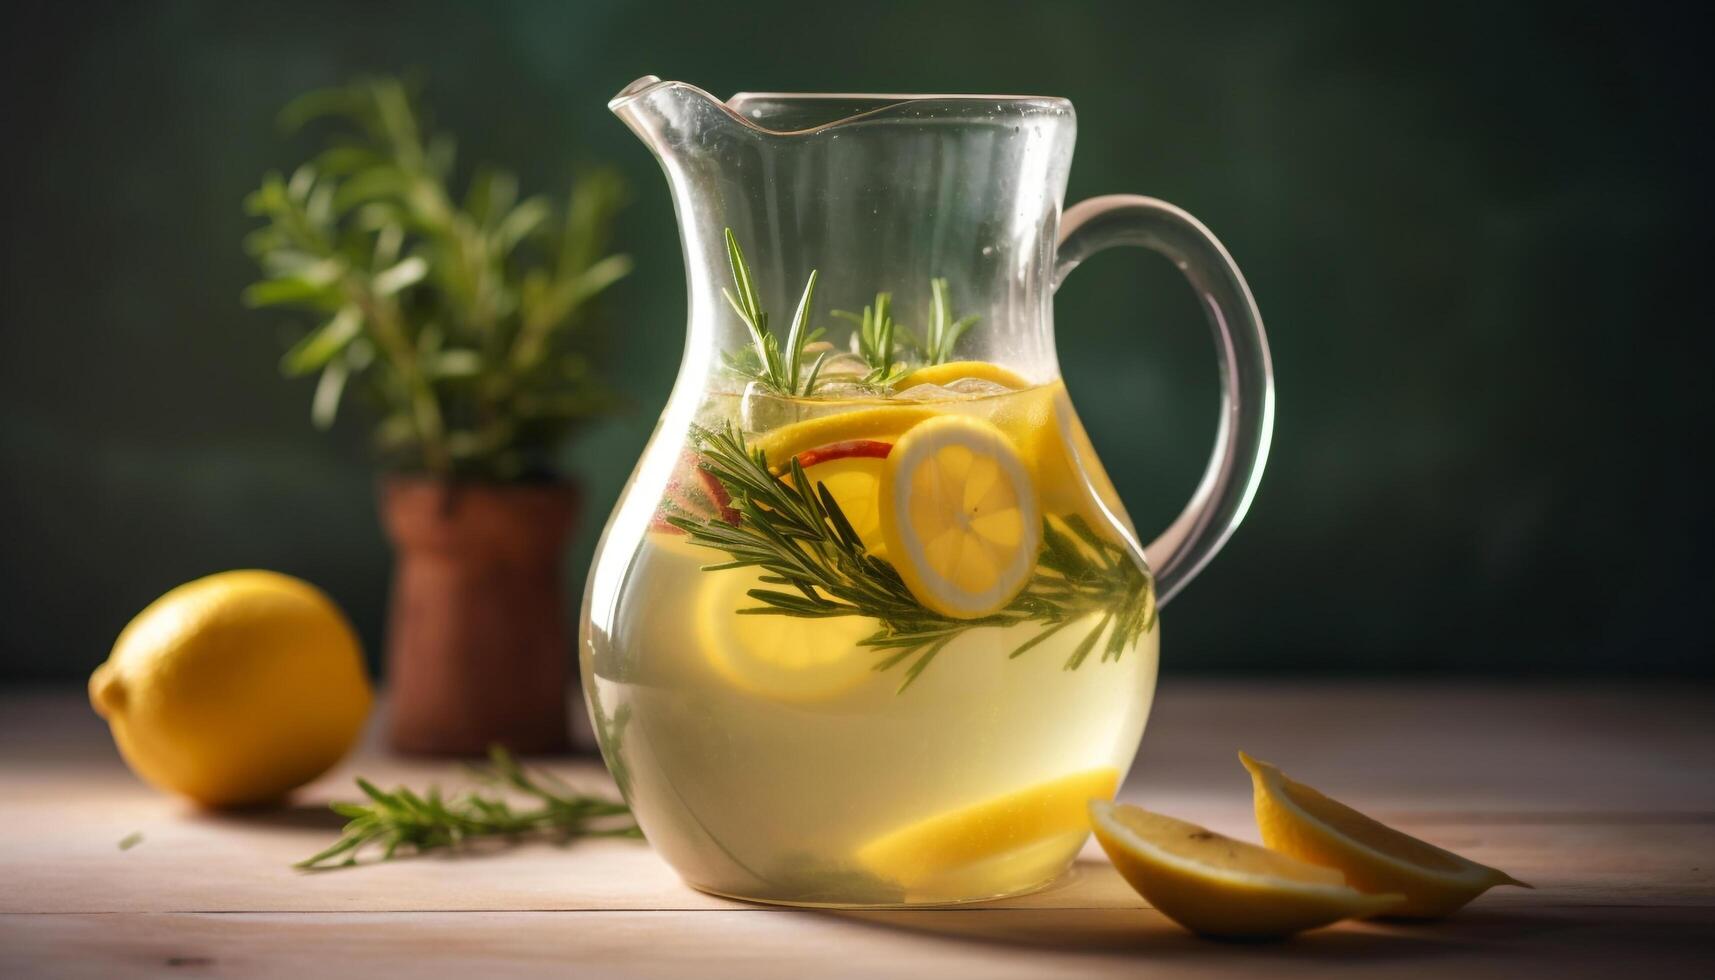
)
(1247, 376)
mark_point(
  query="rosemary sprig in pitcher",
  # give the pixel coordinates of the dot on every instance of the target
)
(873, 339)
(766, 361)
(889, 348)
(795, 532)
(944, 328)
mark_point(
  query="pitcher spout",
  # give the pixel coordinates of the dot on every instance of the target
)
(664, 113)
(873, 193)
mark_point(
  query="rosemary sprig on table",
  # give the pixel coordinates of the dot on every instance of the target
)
(797, 535)
(873, 340)
(766, 362)
(426, 822)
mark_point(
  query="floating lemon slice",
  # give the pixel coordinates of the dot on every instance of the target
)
(1297, 820)
(1068, 473)
(959, 516)
(941, 374)
(1218, 886)
(1018, 824)
(785, 658)
(1089, 479)
(885, 423)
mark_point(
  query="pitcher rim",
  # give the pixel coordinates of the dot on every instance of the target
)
(887, 101)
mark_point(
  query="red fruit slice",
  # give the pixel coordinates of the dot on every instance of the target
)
(695, 493)
(864, 448)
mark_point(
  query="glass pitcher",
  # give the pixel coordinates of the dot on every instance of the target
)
(869, 625)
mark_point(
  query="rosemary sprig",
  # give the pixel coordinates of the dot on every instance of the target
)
(873, 340)
(427, 821)
(797, 535)
(780, 369)
(944, 329)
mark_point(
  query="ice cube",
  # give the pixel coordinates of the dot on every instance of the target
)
(928, 393)
(844, 386)
(977, 387)
(962, 389)
(843, 365)
(762, 410)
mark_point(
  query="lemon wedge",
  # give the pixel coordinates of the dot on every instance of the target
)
(1297, 820)
(959, 516)
(942, 374)
(1044, 822)
(1069, 475)
(783, 658)
(883, 422)
(1217, 886)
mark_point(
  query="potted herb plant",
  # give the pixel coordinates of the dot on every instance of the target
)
(465, 323)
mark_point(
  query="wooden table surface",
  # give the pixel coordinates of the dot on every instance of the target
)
(1600, 795)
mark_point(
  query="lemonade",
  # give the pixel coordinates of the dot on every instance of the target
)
(869, 625)
(783, 745)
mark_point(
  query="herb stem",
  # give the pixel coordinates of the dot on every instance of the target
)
(797, 534)
(425, 822)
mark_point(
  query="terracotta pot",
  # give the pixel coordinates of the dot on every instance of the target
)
(478, 652)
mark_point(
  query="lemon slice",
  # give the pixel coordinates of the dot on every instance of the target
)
(885, 423)
(941, 374)
(1070, 476)
(1090, 481)
(852, 473)
(784, 658)
(1297, 820)
(959, 516)
(1218, 886)
(1024, 824)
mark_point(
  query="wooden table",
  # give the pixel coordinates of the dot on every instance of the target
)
(1601, 795)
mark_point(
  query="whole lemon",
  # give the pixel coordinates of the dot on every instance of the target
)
(234, 689)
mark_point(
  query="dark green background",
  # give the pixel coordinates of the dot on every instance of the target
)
(1478, 235)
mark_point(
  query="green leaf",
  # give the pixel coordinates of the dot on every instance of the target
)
(407, 272)
(267, 199)
(346, 101)
(377, 183)
(340, 161)
(317, 348)
(596, 197)
(319, 208)
(552, 309)
(397, 121)
(524, 220)
(290, 291)
(302, 182)
(795, 338)
(389, 239)
(492, 193)
(264, 240)
(283, 262)
(325, 405)
(441, 154)
(456, 364)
